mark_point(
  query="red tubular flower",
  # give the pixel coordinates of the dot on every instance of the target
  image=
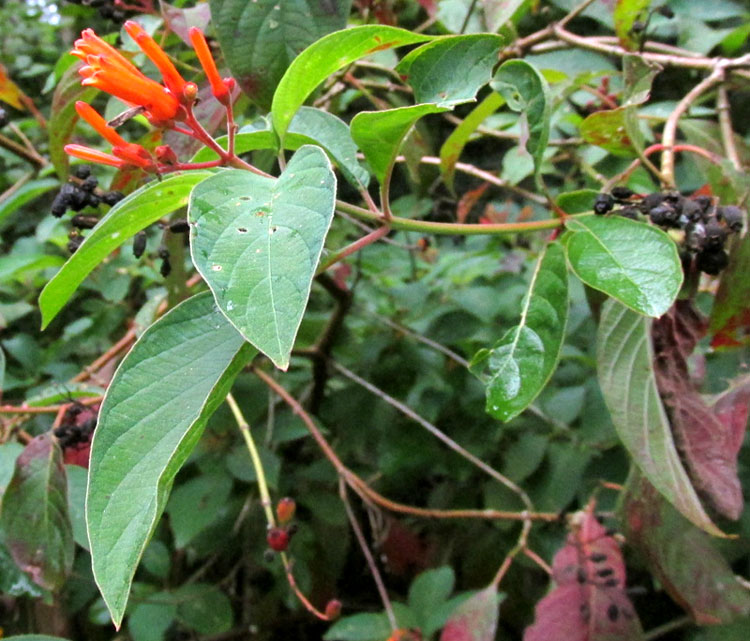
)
(93, 155)
(129, 152)
(107, 69)
(172, 78)
(218, 86)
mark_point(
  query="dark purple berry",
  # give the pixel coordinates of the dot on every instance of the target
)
(139, 244)
(166, 267)
(82, 171)
(622, 193)
(84, 222)
(90, 183)
(732, 216)
(712, 262)
(112, 198)
(716, 234)
(603, 204)
(179, 226)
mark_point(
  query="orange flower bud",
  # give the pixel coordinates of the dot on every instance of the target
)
(285, 509)
(333, 609)
(218, 88)
(172, 78)
(93, 155)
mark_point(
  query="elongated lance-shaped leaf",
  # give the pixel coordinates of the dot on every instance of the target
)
(257, 242)
(527, 92)
(327, 56)
(634, 262)
(455, 143)
(431, 68)
(519, 365)
(152, 416)
(379, 134)
(626, 376)
(260, 38)
(141, 208)
(35, 517)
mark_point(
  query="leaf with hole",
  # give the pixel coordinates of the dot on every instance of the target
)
(626, 375)
(152, 416)
(257, 242)
(519, 365)
(634, 262)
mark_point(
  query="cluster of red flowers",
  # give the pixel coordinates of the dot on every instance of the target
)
(163, 104)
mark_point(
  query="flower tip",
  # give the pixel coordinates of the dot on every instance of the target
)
(190, 91)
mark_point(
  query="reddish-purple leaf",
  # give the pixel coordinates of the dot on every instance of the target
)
(730, 315)
(682, 557)
(35, 519)
(708, 446)
(589, 602)
(475, 619)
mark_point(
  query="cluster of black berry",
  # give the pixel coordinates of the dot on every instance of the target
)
(76, 426)
(81, 192)
(706, 224)
(108, 9)
(4, 118)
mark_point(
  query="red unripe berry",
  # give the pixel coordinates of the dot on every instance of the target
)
(333, 609)
(285, 509)
(278, 539)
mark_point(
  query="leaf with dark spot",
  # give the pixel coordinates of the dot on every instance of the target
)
(475, 619)
(590, 609)
(708, 446)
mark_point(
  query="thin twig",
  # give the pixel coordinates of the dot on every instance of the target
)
(725, 125)
(377, 578)
(660, 631)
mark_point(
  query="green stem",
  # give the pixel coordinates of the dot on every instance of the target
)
(265, 496)
(462, 229)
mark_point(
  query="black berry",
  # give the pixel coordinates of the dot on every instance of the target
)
(732, 216)
(139, 244)
(112, 198)
(622, 193)
(82, 171)
(603, 203)
(712, 262)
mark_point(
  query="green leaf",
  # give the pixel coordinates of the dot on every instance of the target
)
(681, 557)
(431, 69)
(195, 505)
(33, 637)
(625, 14)
(519, 365)
(153, 414)
(428, 592)
(77, 478)
(35, 517)
(257, 242)
(455, 143)
(626, 376)
(475, 619)
(141, 208)
(379, 134)
(326, 56)
(25, 194)
(17, 265)
(634, 262)
(259, 39)
(63, 115)
(204, 608)
(366, 626)
(527, 92)
(150, 620)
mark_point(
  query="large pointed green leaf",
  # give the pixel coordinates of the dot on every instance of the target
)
(625, 14)
(626, 376)
(379, 134)
(260, 38)
(527, 92)
(141, 208)
(153, 414)
(257, 242)
(519, 365)
(431, 68)
(634, 262)
(34, 515)
(326, 56)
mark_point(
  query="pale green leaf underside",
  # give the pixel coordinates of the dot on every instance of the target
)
(140, 209)
(634, 262)
(257, 242)
(152, 416)
(519, 365)
(626, 376)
